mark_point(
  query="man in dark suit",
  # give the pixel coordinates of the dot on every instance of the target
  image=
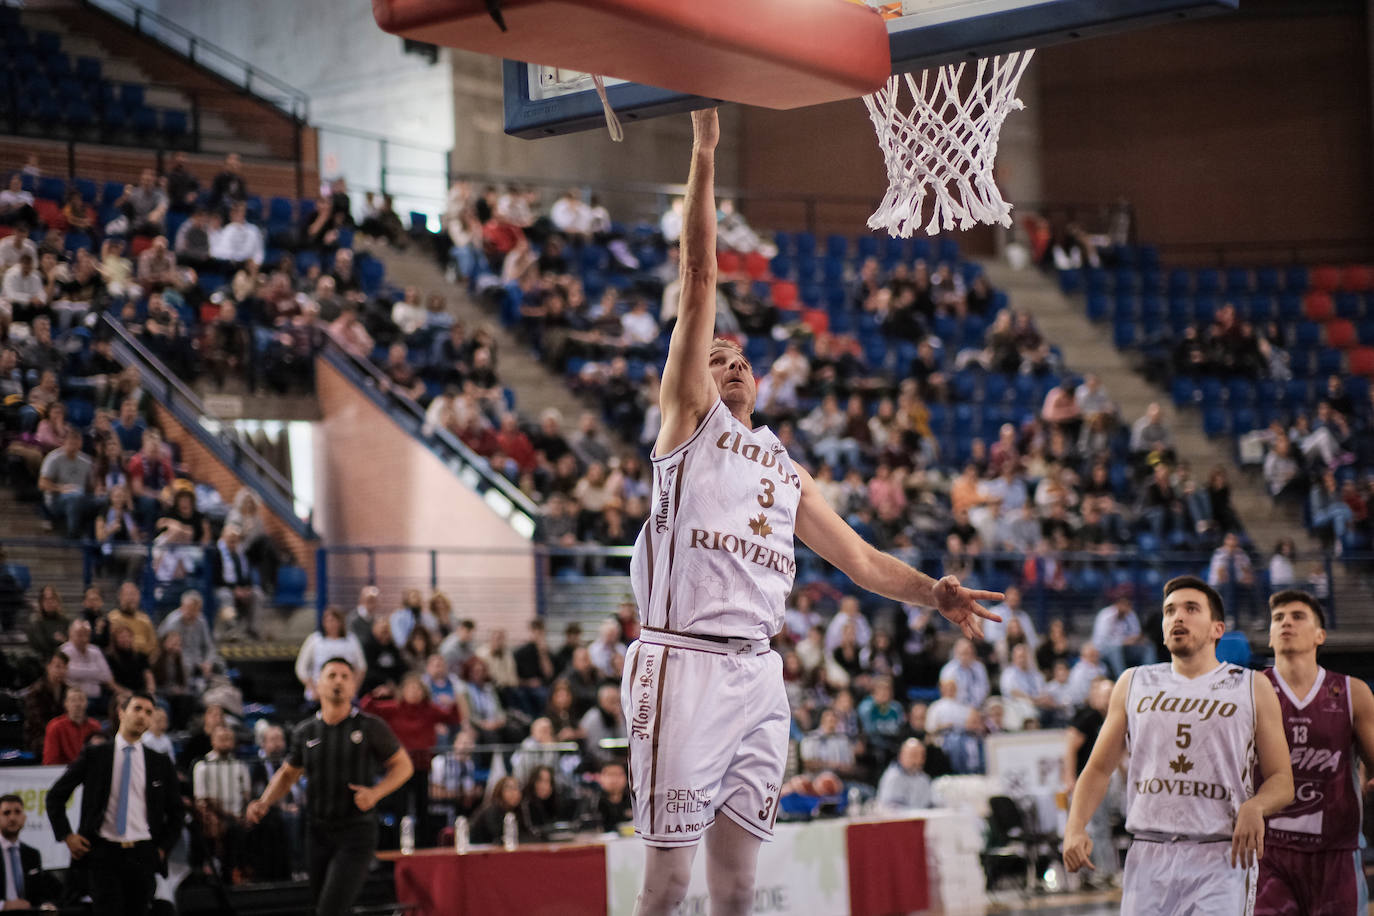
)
(131, 814)
(27, 886)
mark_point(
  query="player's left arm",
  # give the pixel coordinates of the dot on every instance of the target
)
(1276, 770)
(1362, 714)
(821, 528)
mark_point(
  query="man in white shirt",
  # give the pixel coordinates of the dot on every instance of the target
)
(828, 748)
(131, 813)
(1087, 669)
(239, 241)
(86, 665)
(904, 785)
(1023, 686)
(23, 284)
(12, 246)
(1116, 634)
(1009, 608)
(968, 673)
(15, 202)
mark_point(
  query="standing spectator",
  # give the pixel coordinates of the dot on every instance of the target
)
(44, 700)
(1230, 565)
(130, 813)
(63, 478)
(198, 650)
(47, 630)
(229, 186)
(331, 640)
(904, 785)
(385, 662)
(182, 186)
(968, 673)
(414, 719)
(219, 779)
(1117, 635)
(87, 669)
(66, 735)
(128, 613)
(26, 885)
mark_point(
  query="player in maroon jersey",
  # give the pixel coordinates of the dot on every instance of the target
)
(1311, 864)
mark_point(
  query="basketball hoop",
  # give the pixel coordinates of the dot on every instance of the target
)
(946, 146)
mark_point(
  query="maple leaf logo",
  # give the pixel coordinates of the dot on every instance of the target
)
(1181, 765)
(760, 526)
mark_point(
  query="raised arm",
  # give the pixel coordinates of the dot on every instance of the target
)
(1092, 782)
(820, 528)
(687, 391)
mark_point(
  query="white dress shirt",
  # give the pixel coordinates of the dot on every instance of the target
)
(237, 242)
(136, 825)
(11, 892)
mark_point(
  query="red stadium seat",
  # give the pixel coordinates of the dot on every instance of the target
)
(1326, 278)
(756, 265)
(785, 294)
(818, 320)
(139, 244)
(1357, 278)
(1341, 334)
(1318, 305)
(727, 262)
(1362, 361)
(51, 214)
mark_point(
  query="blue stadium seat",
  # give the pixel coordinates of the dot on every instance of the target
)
(866, 246)
(1204, 308)
(1234, 648)
(1237, 281)
(51, 189)
(1308, 334)
(87, 188)
(78, 241)
(1365, 332)
(1071, 281)
(80, 412)
(1240, 392)
(1124, 334)
(88, 69)
(1214, 422)
(948, 249)
(1151, 282)
(1126, 281)
(1095, 280)
(1261, 308)
(1152, 311)
(46, 42)
(57, 65)
(1295, 279)
(1244, 420)
(1213, 392)
(1290, 306)
(1207, 281)
(1097, 306)
(79, 115)
(175, 123)
(131, 96)
(1330, 361)
(291, 585)
(1180, 282)
(805, 244)
(836, 246)
(995, 388)
(1299, 392)
(1266, 280)
(1349, 306)
(23, 578)
(144, 120)
(1124, 307)
(1184, 391)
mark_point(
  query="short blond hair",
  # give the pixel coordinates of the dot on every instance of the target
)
(726, 343)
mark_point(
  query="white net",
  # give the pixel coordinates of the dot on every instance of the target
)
(945, 147)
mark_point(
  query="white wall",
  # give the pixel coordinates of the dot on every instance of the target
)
(356, 76)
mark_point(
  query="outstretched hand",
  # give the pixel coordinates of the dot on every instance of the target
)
(705, 128)
(960, 605)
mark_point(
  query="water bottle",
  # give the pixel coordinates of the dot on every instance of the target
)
(460, 835)
(407, 835)
(509, 835)
(855, 796)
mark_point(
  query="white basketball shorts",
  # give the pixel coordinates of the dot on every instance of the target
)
(1186, 879)
(708, 729)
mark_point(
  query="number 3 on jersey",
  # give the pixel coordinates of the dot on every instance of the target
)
(766, 500)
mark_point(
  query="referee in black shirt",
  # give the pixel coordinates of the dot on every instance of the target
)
(341, 748)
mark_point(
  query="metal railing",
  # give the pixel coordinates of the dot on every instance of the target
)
(227, 444)
(415, 175)
(208, 55)
(504, 497)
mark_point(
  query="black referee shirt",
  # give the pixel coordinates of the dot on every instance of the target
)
(334, 756)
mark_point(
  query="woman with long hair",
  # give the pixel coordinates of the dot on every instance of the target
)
(561, 712)
(490, 819)
(47, 630)
(542, 804)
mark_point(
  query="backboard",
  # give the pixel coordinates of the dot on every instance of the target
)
(542, 101)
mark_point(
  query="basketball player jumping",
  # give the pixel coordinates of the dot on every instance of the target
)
(1193, 727)
(1312, 866)
(703, 694)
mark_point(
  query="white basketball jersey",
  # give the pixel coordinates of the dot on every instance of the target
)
(1192, 747)
(715, 555)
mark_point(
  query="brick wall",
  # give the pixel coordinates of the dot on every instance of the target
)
(205, 467)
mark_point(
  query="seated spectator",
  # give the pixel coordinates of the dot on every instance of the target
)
(16, 204)
(386, 664)
(229, 185)
(1023, 688)
(483, 702)
(157, 266)
(197, 643)
(144, 207)
(156, 736)
(220, 788)
(87, 669)
(127, 612)
(23, 289)
(604, 722)
(828, 748)
(453, 776)
(968, 674)
(1283, 475)
(45, 700)
(66, 735)
(1281, 572)
(192, 243)
(1087, 669)
(1331, 516)
(262, 554)
(238, 242)
(607, 652)
(14, 245)
(904, 785)
(488, 824)
(544, 805)
(117, 531)
(129, 667)
(183, 188)
(1149, 436)
(614, 804)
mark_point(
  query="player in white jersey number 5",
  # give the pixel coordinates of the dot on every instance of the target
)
(703, 694)
(1194, 728)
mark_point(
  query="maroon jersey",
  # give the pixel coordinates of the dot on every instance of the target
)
(1326, 807)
